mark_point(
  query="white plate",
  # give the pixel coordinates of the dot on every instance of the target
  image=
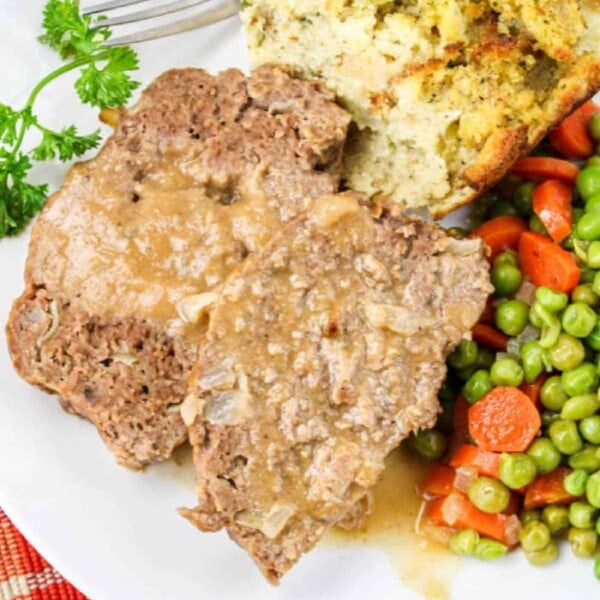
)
(115, 534)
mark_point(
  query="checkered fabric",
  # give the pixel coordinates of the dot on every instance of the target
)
(24, 574)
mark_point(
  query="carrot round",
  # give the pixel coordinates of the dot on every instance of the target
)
(484, 462)
(490, 337)
(501, 233)
(552, 204)
(571, 138)
(547, 264)
(540, 168)
(548, 489)
(533, 390)
(504, 420)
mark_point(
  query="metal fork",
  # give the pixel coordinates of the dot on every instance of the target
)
(217, 10)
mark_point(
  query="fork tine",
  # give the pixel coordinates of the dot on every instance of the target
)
(112, 4)
(208, 17)
(147, 13)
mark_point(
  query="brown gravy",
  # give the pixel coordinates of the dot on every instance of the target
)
(422, 564)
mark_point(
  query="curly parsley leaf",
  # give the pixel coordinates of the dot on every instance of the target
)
(105, 80)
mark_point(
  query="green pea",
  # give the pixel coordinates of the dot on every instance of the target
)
(534, 360)
(580, 407)
(508, 257)
(534, 536)
(549, 417)
(590, 429)
(552, 394)
(583, 542)
(506, 371)
(464, 355)
(597, 526)
(567, 353)
(580, 380)
(488, 495)
(585, 294)
(565, 437)
(477, 386)
(574, 482)
(587, 459)
(548, 322)
(489, 549)
(582, 515)
(523, 198)
(543, 557)
(457, 232)
(429, 444)
(593, 340)
(550, 299)
(593, 161)
(511, 317)
(596, 281)
(485, 359)
(556, 518)
(517, 470)
(463, 543)
(579, 319)
(588, 182)
(530, 516)
(535, 224)
(593, 255)
(587, 275)
(545, 455)
(506, 279)
(597, 567)
(569, 242)
(592, 489)
(502, 208)
(593, 203)
(594, 127)
(588, 227)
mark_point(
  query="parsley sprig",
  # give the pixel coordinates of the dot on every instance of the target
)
(104, 80)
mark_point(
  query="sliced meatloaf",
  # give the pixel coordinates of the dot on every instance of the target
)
(324, 351)
(124, 259)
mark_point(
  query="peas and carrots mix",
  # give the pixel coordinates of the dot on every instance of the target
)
(516, 452)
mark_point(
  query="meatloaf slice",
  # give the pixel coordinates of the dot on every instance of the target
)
(324, 350)
(124, 258)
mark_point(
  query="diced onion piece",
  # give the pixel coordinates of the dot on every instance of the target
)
(126, 359)
(527, 335)
(54, 323)
(398, 319)
(526, 292)
(465, 475)
(463, 247)
(189, 409)
(220, 378)
(191, 309)
(512, 530)
(271, 523)
(227, 408)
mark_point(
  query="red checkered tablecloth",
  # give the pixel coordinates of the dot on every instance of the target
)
(24, 574)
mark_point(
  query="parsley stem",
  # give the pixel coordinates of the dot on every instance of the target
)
(80, 62)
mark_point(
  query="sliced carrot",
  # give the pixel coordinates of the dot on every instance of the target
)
(548, 489)
(501, 233)
(540, 168)
(439, 481)
(487, 316)
(457, 512)
(490, 337)
(460, 432)
(484, 462)
(504, 420)
(532, 390)
(547, 264)
(552, 204)
(571, 138)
